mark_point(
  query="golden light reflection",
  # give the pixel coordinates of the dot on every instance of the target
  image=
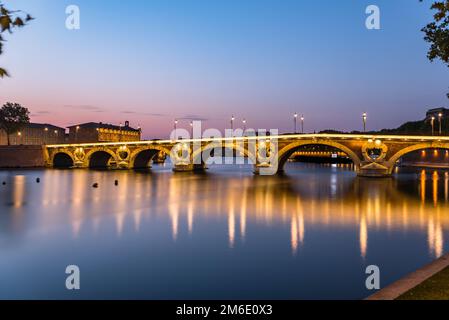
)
(294, 234)
(446, 186)
(363, 237)
(231, 227)
(435, 237)
(121, 206)
(362, 206)
(423, 185)
(79, 189)
(19, 191)
(301, 227)
(190, 217)
(243, 216)
(174, 218)
(435, 179)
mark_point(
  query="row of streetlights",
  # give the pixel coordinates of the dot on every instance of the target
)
(176, 122)
(432, 123)
(20, 134)
(232, 123)
(175, 127)
(296, 116)
(295, 120)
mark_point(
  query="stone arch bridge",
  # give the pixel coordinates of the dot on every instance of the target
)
(374, 156)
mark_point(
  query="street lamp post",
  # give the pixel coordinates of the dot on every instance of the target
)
(46, 135)
(302, 124)
(440, 116)
(176, 127)
(295, 119)
(364, 117)
(76, 133)
(244, 125)
(432, 123)
(191, 129)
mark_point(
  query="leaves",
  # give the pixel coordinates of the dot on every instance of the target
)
(3, 73)
(9, 20)
(437, 33)
(18, 22)
(5, 23)
(13, 117)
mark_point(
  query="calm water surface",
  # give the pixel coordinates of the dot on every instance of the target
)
(225, 234)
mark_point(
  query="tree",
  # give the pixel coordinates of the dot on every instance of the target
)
(437, 33)
(13, 117)
(10, 21)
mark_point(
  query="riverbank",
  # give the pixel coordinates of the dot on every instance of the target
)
(434, 288)
(428, 283)
(21, 157)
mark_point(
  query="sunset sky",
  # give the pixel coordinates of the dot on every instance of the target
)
(151, 61)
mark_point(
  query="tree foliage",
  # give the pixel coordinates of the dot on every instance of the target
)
(13, 117)
(10, 20)
(437, 33)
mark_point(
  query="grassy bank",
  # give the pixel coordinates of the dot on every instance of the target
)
(434, 288)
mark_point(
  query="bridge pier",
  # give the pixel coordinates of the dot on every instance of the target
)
(189, 168)
(374, 170)
(266, 170)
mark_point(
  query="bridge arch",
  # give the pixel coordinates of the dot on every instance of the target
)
(422, 146)
(62, 159)
(141, 157)
(198, 155)
(285, 153)
(99, 158)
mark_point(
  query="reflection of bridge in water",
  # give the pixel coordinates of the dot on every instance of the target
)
(348, 202)
(372, 155)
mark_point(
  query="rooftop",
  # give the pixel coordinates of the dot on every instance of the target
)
(43, 126)
(101, 125)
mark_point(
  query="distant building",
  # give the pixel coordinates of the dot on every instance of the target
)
(100, 132)
(35, 134)
(436, 112)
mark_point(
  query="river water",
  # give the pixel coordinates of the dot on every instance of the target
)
(226, 234)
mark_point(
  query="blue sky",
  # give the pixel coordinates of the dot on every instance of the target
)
(152, 61)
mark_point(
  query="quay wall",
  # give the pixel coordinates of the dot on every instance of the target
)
(23, 156)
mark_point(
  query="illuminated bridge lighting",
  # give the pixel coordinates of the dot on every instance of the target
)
(277, 137)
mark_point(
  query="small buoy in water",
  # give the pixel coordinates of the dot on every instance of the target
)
(95, 185)
(116, 182)
(38, 180)
(4, 183)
